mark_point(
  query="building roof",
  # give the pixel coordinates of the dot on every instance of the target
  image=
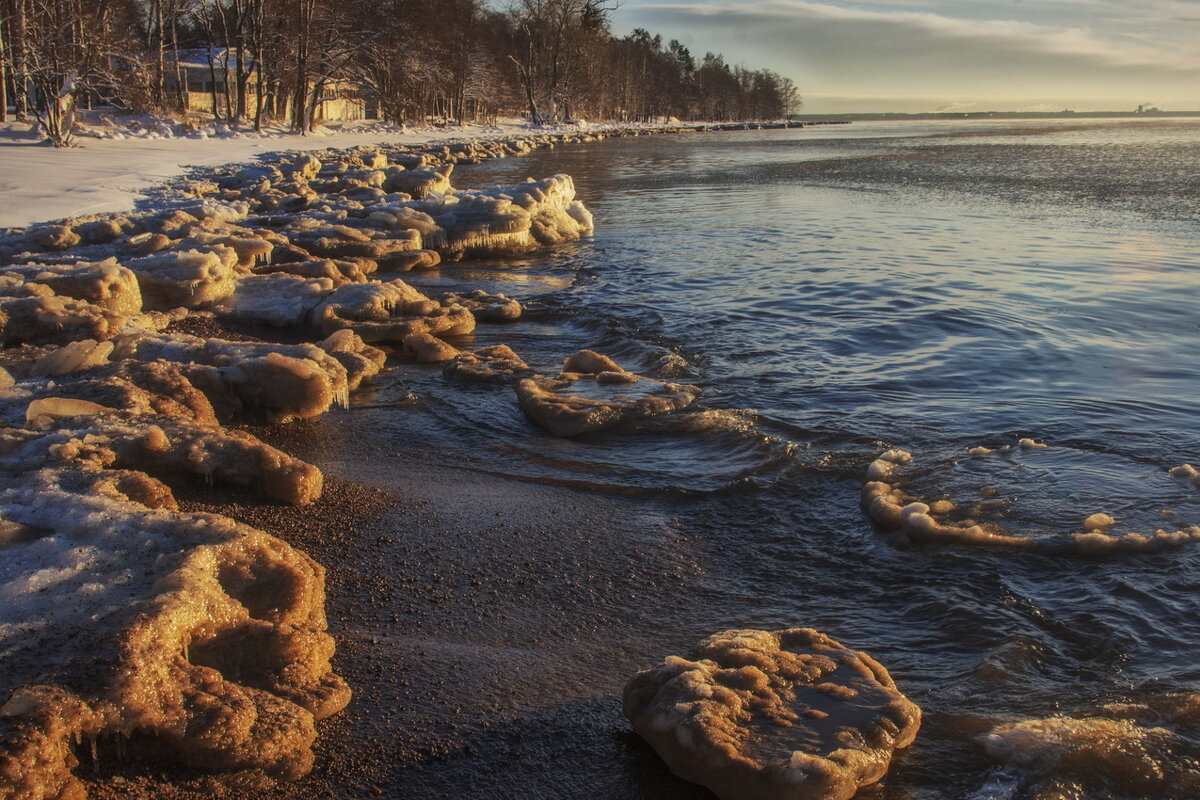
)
(216, 56)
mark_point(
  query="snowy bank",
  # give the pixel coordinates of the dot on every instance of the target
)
(38, 182)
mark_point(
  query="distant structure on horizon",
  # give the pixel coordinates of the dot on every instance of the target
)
(1144, 109)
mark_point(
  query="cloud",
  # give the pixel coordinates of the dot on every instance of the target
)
(1011, 36)
(959, 105)
(965, 50)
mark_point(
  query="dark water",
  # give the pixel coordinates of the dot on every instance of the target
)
(836, 291)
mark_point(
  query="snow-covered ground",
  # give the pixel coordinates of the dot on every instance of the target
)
(39, 182)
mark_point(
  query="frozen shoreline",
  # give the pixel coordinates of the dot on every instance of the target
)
(39, 183)
(70, 298)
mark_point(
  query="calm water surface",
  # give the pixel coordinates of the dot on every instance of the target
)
(842, 289)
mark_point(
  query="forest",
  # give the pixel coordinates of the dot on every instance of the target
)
(403, 61)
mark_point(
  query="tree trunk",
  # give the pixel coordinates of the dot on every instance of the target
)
(160, 78)
(3, 77)
(16, 46)
(181, 88)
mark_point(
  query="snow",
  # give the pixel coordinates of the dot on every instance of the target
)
(40, 183)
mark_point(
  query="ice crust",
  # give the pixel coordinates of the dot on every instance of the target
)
(913, 520)
(593, 394)
(773, 715)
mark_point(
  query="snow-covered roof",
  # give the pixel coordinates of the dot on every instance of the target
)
(218, 56)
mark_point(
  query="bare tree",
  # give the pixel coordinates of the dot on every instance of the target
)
(549, 39)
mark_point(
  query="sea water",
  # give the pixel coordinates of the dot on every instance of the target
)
(837, 291)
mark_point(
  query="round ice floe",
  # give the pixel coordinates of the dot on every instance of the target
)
(912, 520)
(582, 401)
(783, 715)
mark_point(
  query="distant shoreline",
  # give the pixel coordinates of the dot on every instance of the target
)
(895, 116)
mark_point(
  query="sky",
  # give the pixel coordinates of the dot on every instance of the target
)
(949, 55)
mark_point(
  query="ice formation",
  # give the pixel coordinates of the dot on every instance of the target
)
(338, 271)
(913, 520)
(187, 278)
(487, 308)
(130, 388)
(106, 284)
(280, 299)
(32, 312)
(762, 715)
(388, 312)
(282, 381)
(1186, 471)
(592, 394)
(428, 349)
(202, 635)
(1119, 750)
(496, 364)
(418, 182)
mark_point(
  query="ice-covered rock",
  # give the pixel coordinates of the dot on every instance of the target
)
(388, 312)
(773, 715)
(339, 271)
(251, 248)
(418, 182)
(74, 357)
(284, 381)
(40, 317)
(164, 447)
(204, 637)
(589, 362)
(510, 220)
(428, 349)
(106, 284)
(129, 387)
(280, 299)
(186, 278)
(413, 259)
(344, 241)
